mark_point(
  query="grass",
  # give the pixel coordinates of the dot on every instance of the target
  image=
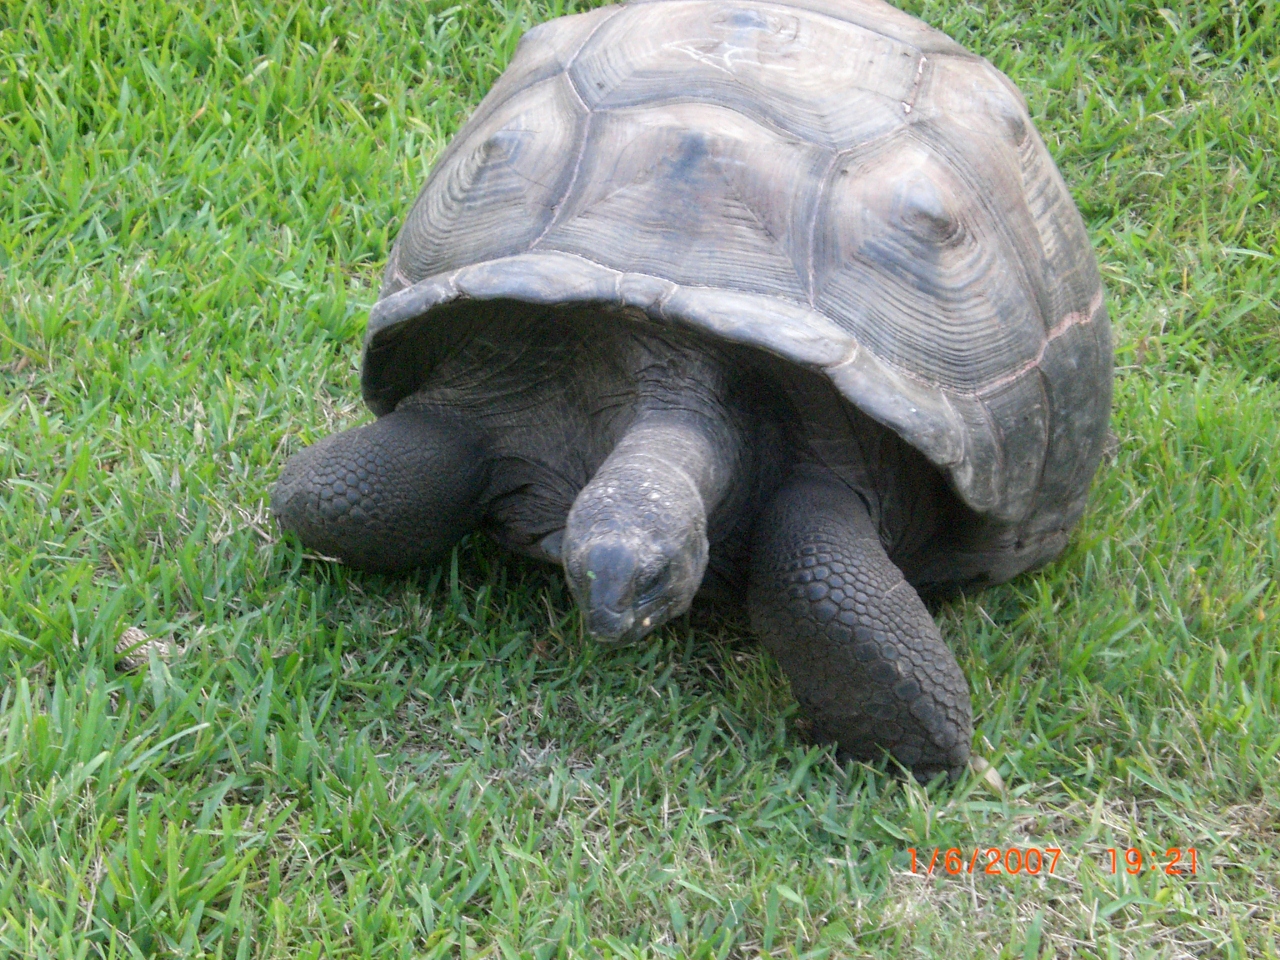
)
(197, 201)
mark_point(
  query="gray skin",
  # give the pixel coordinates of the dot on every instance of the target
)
(653, 464)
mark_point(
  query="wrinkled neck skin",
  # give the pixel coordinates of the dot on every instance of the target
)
(636, 545)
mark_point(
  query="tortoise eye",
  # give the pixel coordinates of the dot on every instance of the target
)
(652, 584)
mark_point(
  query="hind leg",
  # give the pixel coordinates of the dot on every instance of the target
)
(865, 658)
(386, 497)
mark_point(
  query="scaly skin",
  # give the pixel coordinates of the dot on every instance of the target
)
(865, 658)
(392, 495)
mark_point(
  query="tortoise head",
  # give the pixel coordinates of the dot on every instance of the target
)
(635, 548)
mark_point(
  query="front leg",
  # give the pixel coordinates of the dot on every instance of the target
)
(865, 659)
(386, 497)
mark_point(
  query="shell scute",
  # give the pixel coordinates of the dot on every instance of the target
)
(1079, 398)
(753, 58)
(973, 95)
(915, 271)
(695, 193)
(495, 194)
(1020, 411)
(1066, 256)
(875, 16)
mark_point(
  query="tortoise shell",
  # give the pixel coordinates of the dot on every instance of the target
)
(830, 181)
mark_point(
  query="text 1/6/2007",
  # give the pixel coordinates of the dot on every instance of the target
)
(993, 860)
(998, 861)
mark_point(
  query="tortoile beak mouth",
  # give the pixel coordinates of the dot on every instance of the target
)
(612, 626)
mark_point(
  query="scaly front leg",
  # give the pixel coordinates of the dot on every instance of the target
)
(865, 658)
(389, 496)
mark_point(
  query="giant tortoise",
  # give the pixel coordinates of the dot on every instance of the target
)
(779, 302)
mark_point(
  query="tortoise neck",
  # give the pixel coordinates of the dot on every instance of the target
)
(688, 452)
(688, 413)
(635, 544)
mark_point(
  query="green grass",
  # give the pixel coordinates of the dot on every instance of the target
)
(197, 202)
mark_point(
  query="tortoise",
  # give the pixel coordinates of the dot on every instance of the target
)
(778, 303)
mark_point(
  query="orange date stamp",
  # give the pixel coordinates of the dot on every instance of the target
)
(1035, 861)
(997, 861)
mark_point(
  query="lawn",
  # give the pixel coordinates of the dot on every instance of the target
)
(305, 761)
